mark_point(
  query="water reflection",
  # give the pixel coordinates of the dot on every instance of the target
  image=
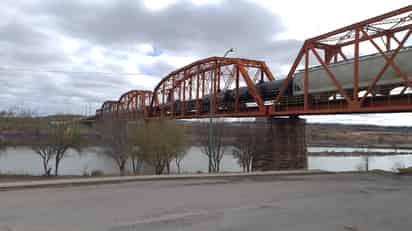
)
(24, 161)
(354, 163)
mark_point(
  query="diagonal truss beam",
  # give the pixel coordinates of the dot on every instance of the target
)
(389, 61)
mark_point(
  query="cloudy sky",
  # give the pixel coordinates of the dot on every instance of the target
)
(68, 56)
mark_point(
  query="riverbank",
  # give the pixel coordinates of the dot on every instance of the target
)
(360, 136)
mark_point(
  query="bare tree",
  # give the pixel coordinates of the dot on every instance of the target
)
(216, 152)
(115, 138)
(246, 147)
(46, 153)
(53, 140)
(67, 136)
(178, 160)
(244, 155)
(136, 160)
(181, 152)
(159, 143)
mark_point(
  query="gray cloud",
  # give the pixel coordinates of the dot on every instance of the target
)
(31, 32)
(181, 29)
(23, 45)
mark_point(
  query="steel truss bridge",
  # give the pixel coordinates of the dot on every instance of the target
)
(330, 75)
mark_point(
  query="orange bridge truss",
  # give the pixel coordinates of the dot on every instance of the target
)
(361, 68)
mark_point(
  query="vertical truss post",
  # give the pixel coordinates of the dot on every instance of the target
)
(197, 90)
(190, 87)
(180, 97)
(203, 84)
(237, 89)
(218, 78)
(116, 111)
(262, 75)
(163, 100)
(356, 69)
(184, 98)
(143, 99)
(306, 81)
(214, 86)
(172, 98)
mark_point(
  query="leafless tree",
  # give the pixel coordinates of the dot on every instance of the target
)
(178, 160)
(159, 143)
(53, 140)
(116, 141)
(41, 146)
(46, 153)
(246, 147)
(136, 160)
(181, 153)
(216, 152)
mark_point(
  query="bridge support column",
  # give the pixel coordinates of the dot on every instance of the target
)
(284, 146)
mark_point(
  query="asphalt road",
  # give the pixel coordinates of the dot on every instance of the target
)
(347, 202)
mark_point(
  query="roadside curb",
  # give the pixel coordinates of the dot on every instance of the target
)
(123, 179)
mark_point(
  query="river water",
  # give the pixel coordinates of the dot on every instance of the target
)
(25, 161)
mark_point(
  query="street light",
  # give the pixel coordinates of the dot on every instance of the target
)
(228, 51)
(211, 109)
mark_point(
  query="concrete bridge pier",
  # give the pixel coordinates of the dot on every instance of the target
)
(283, 146)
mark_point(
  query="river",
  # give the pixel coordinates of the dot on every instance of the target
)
(25, 161)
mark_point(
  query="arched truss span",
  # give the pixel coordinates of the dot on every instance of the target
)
(187, 91)
(135, 101)
(109, 108)
(132, 104)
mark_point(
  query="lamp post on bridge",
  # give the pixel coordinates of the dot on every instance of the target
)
(211, 144)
